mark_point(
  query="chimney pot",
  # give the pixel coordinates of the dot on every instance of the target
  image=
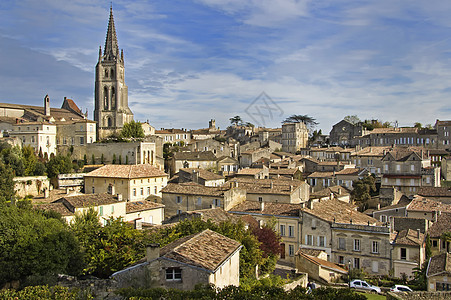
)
(152, 252)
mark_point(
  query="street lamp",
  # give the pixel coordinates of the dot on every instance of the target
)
(349, 273)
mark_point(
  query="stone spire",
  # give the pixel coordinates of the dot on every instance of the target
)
(111, 50)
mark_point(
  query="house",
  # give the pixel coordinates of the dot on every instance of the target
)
(288, 173)
(202, 160)
(369, 158)
(408, 252)
(272, 190)
(247, 158)
(344, 132)
(133, 182)
(443, 137)
(441, 194)
(317, 268)
(399, 136)
(190, 196)
(441, 225)
(334, 192)
(180, 137)
(200, 176)
(219, 148)
(294, 137)
(421, 207)
(253, 173)
(203, 258)
(399, 209)
(146, 211)
(287, 222)
(227, 166)
(438, 273)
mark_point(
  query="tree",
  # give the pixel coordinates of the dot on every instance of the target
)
(363, 190)
(6, 183)
(418, 125)
(310, 122)
(102, 159)
(13, 157)
(236, 120)
(33, 245)
(132, 130)
(352, 119)
(114, 159)
(93, 159)
(59, 164)
(30, 160)
(109, 248)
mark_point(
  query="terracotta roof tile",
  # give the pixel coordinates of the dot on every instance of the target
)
(409, 237)
(435, 191)
(324, 263)
(438, 264)
(195, 156)
(267, 186)
(207, 249)
(136, 206)
(191, 188)
(270, 208)
(89, 200)
(127, 171)
(249, 171)
(443, 224)
(420, 203)
(58, 207)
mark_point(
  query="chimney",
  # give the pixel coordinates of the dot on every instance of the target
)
(195, 176)
(310, 204)
(339, 191)
(138, 224)
(378, 206)
(418, 233)
(67, 190)
(47, 106)
(262, 205)
(152, 252)
(119, 197)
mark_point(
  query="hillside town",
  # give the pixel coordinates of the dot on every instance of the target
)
(369, 200)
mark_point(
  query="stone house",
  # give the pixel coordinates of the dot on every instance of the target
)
(146, 211)
(200, 176)
(133, 182)
(399, 136)
(227, 166)
(207, 133)
(294, 137)
(218, 148)
(247, 158)
(190, 196)
(30, 185)
(174, 136)
(41, 136)
(288, 173)
(273, 190)
(330, 153)
(385, 214)
(443, 134)
(334, 192)
(438, 273)
(253, 173)
(446, 168)
(344, 132)
(203, 258)
(370, 158)
(202, 160)
(424, 208)
(408, 252)
(287, 222)
(317, 268)
(441, 225)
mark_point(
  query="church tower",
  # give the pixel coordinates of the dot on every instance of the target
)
(111, 110)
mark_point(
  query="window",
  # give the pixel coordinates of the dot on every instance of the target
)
(142, 191)
(260, 199)
(82, 140)
(173, 274)
(375, 247)
(356, 263)
(217, 202)
(341, 260)
(134, 192)
(434, 243)
(178, 199)
(179, 211)
(321, 241)
(398, 168)
(403, 253)
(101, 211)
(383, 218)
(309, 239)
(341, 244)
(356, 245)
(291, 231)
(199, 200)
(412, 167)
(291, 250)
(93, 190)
(148, 190)
(282, 230)
(155, 190)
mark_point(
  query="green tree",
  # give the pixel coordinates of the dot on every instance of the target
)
(418, 125)
(93, 159)
(114, 159)
(13, 157)
(236, 120)
(59, 164)
(30, 160)
(102, 159)
(310, 122)
(363, 190)
(6, 183)
(132, 130)
(85, 159)
(120, 159)
(34, 245)
(353, 119)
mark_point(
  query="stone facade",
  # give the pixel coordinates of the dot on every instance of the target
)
(32, 185)
(294, 137)
(111, 93)
(344, 132)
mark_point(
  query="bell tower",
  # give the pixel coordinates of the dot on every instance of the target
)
(111, 110)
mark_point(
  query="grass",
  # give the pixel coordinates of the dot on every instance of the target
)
(373, 296)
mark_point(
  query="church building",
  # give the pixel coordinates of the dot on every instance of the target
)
(111, 110)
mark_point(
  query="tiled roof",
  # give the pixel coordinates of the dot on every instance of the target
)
(72, 105)
(372, 151)
(330, 163)
(394, 130)
(270, 208)
(430, 191)
(409, 237)
(311, 252)
(58, 207)
(195, 156)
(266, 186)
(349, 171)
(207, 250)
(135, 206)
(438, 264)
(89, 200)
(339, 212)
(249, 171)
(403, 202)
(202, 173)
(420, 203)
(127, 171)
(323, 263)
(321, 175)
(284, 171)
(443, 123)
(328, 149)
(443, 224)
(53, 195)
(403, 153)
(191, 188)
(336, 190)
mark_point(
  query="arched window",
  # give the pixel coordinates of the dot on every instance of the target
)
(106, 73)
(113, 98)
(112, 73)
(105, 98)
(109, 122)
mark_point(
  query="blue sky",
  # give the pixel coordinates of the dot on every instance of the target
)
(191, 61)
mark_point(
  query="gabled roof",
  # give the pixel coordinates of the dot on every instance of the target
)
(424, 204)
(249, 171)
(136, 206)
(195, 156)
(443, 224)
(335, 211)
(89, 200)
(429, 191)
(337, 190)
(191, 188)
(216, 215)
(323, 263)
(279, 186)
(206, 250)
(409, 237)
(57, 207)
(439, 264)
(127, 171)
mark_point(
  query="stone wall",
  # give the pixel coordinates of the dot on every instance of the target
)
(419, 296)
(31, 185)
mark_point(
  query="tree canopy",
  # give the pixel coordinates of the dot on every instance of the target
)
(236, 120)
(353, 119)
(132, 130)
(307, 120)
